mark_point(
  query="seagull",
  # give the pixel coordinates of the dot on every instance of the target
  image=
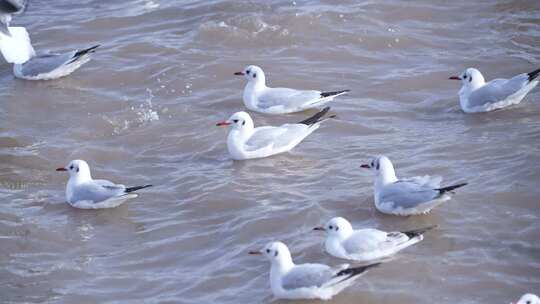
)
(54, 65)
(365, 245)
(528, 298)
(8, 8)
(417, 195)
(17, 49)
(246, 142)
(260, 98)
(86, 193)
(306, 281)
(478, 96)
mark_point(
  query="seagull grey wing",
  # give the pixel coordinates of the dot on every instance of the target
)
(407, 194)
(498, 90)
(426, 180)
(289, 98)
(95, 192)
(279, 137)
(106, 183)
(364, 240)
(307, 275)
(264, 136)
(44, 64)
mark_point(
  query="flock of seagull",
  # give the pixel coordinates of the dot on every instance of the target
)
(366, 248)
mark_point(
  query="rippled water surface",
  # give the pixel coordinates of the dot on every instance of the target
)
(144, 110)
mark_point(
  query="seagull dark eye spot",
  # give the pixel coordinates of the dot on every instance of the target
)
(254, 75)
(337, 228)
(470, 79)
(267, 250)
(77, 169)
(464, 76)
(377, 166)
(247, 72)
(71, 167)
(235, 120)
(276, 253)
(243, 122)
(330, 227)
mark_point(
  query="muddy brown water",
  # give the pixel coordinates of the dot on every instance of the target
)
(143, 111)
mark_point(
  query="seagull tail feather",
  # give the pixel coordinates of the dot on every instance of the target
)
(450, 188)
(334, 93)
(132, 189)
(318, 117)
(352, 272)
(81, 53)
(418, 232)
(534, 75)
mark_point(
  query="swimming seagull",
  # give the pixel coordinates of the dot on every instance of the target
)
(478, 96)
(528, 298)
(417, 195)
(53, 66)
(260, 98)
(86, 193)
(8, 8)
(306, 281)
(245, 141)
(17, 49)
(365, 245)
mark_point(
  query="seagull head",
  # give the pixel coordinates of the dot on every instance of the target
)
(528, 298)
(276, 252)
(471, 77)
(238, 121)
(337, 227)
(382, 167)
(77, 168)
(252, 73)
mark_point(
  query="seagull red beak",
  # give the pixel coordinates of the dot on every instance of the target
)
(454, 78)
(365, 166)
(223, 124)
(61, 169)
(254, 252)
(319, 228)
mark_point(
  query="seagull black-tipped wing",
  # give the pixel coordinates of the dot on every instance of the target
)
(315, 118)
(533, 75)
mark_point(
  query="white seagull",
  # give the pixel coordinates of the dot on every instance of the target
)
(54, 65)
(478, 96)
(17, 49)
(528, 298)
(86, 193)
(8, 8)
(245, 141)
(417, 195)
(365, 245)
(260, 98)
(306, 281)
